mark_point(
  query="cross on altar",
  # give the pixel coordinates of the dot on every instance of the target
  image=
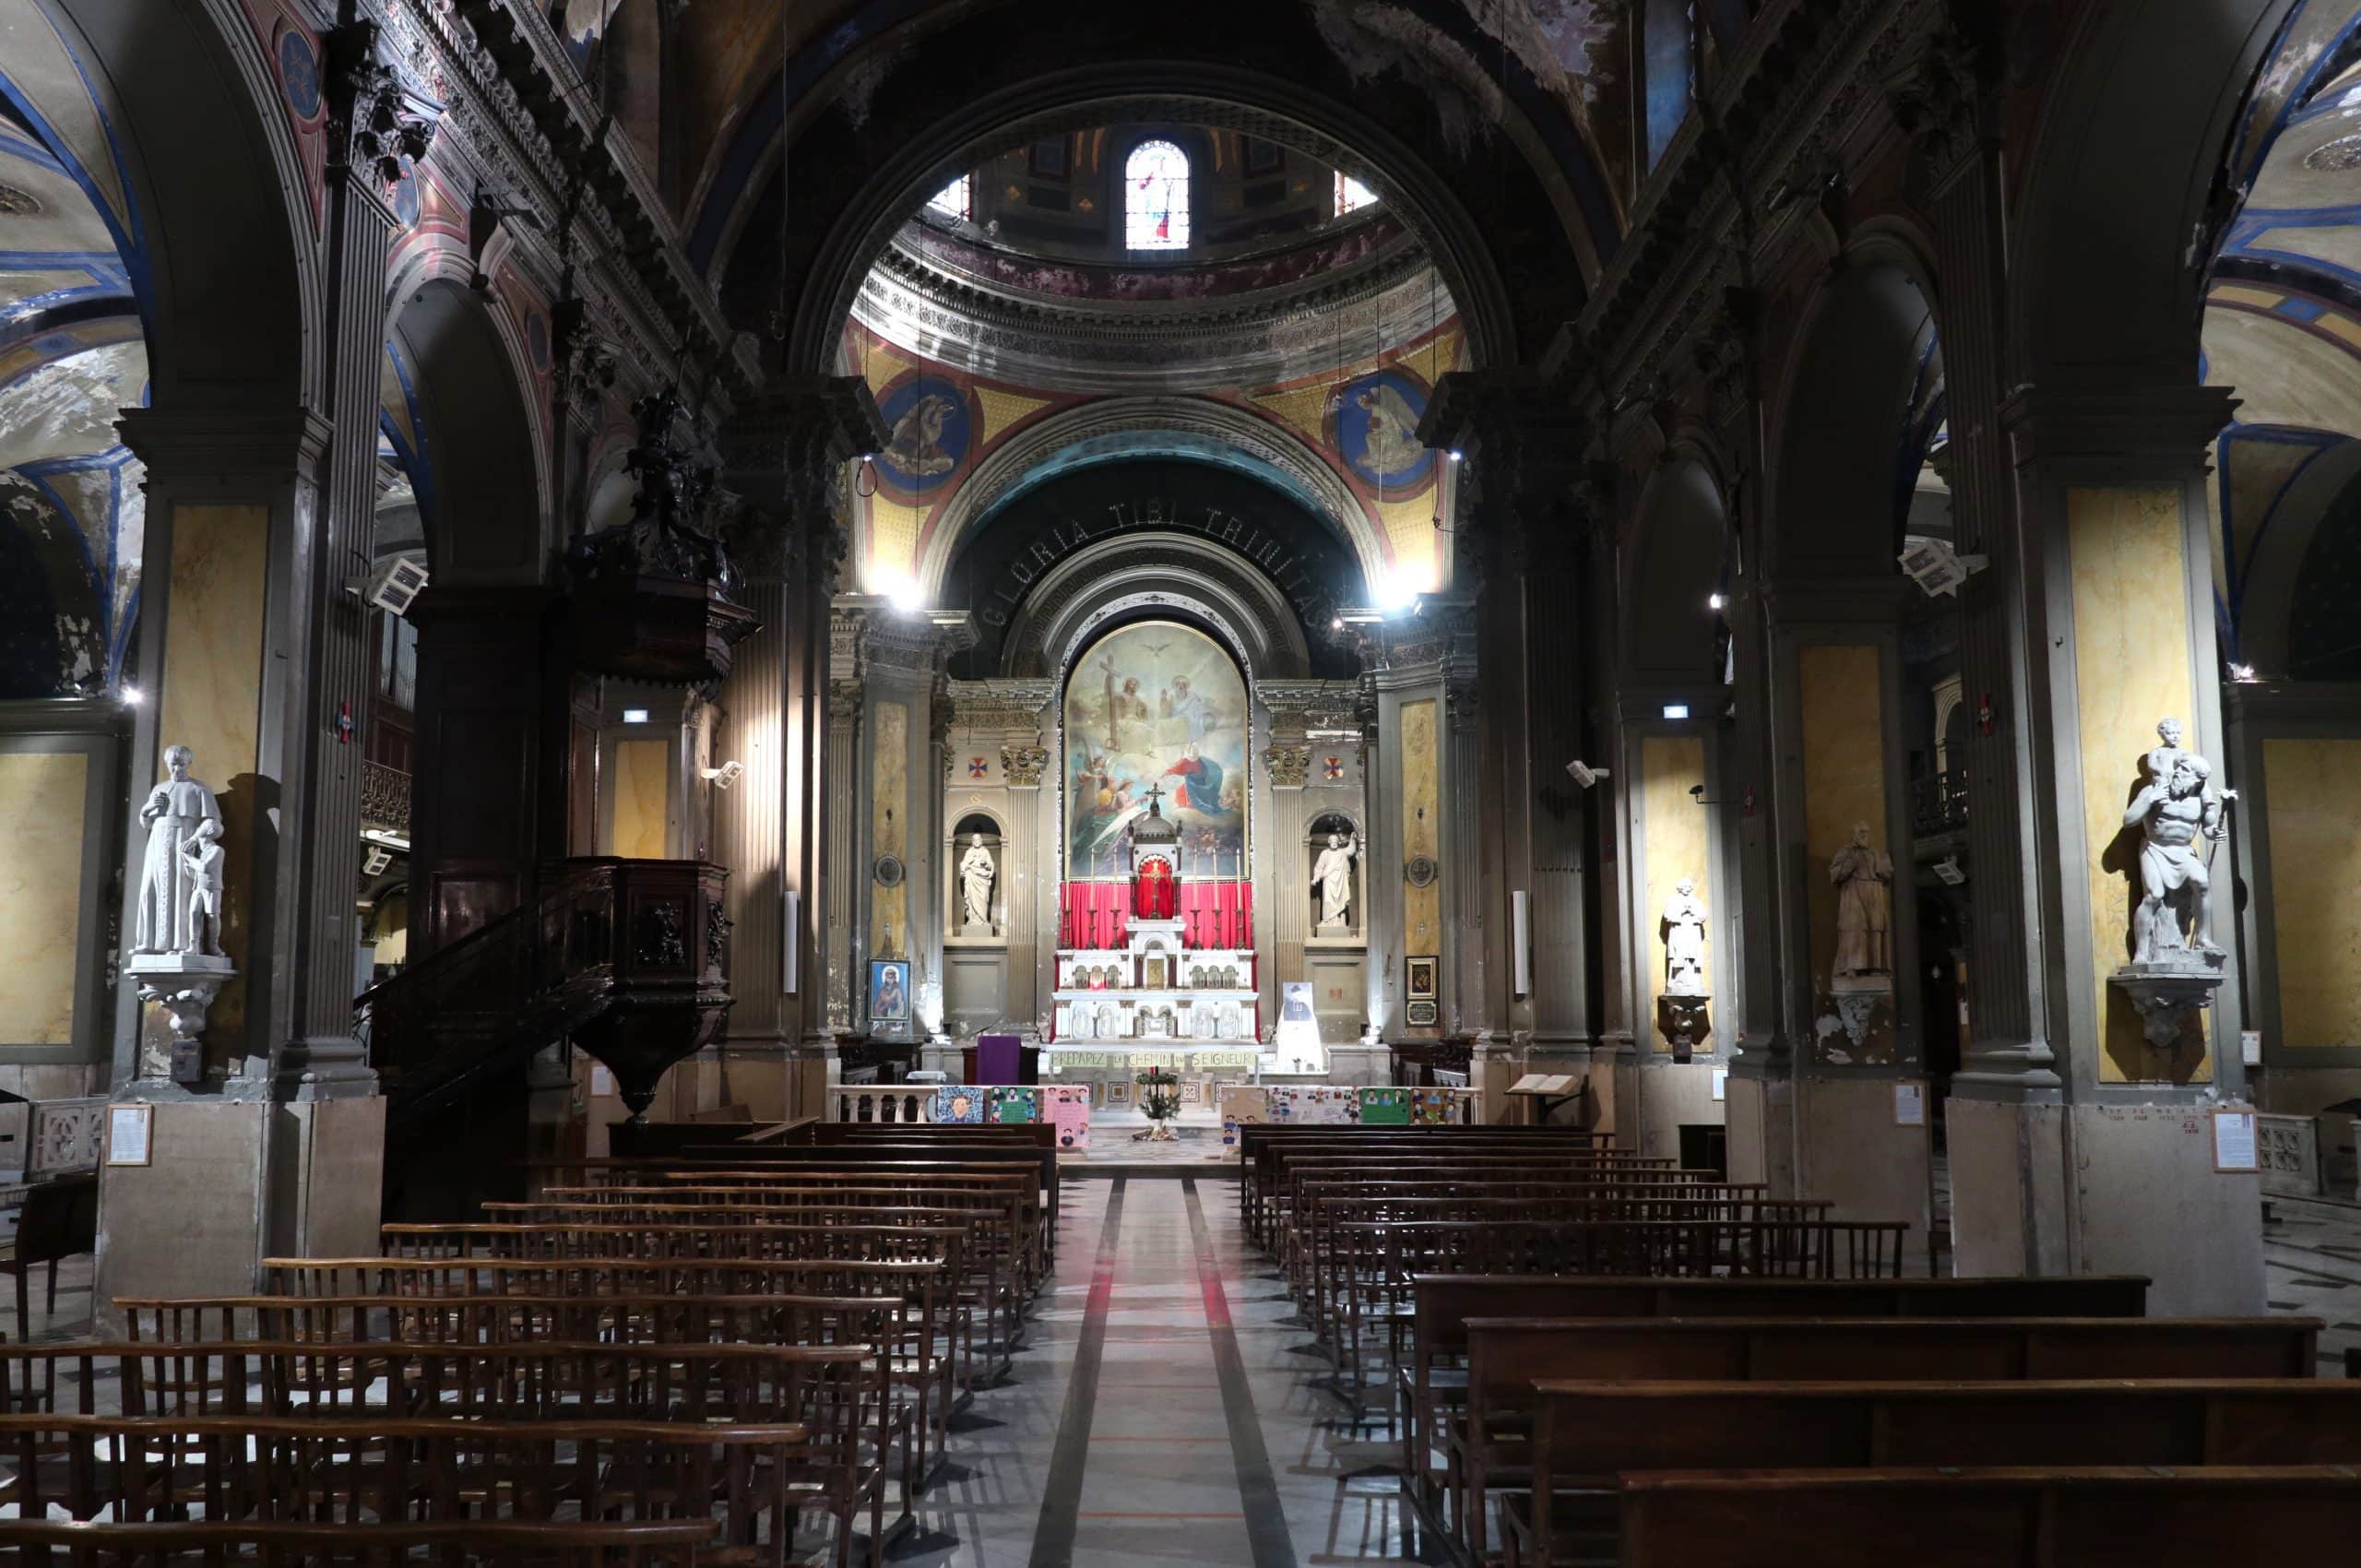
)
(1155, 800)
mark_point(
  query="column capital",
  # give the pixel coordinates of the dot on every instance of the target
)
(2116, 433)
(236, 448)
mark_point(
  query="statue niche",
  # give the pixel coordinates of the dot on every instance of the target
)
(976, 876)
(1334, 849)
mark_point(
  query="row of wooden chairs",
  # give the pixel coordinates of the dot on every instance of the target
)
(707, 1352)
(1590, 1365)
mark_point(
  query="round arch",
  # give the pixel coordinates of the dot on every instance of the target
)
(1675, 565)
(475, 465)
(2126, 165)
(1504, 191)
(214, 228)
(1845, 422)
(2326, 488)
(1127, 428)
(1084, 596)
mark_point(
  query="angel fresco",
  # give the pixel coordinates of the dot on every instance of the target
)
(1392, 446)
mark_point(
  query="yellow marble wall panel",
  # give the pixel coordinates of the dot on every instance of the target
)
(2131, 669)
(1844, 740)
(1421, 827)
(40, 893)
(640, 828)
(889, 828)
(1673, 844)
(212, 699)
(2314, 787)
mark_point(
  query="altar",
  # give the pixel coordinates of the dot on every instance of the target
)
(1160, 997)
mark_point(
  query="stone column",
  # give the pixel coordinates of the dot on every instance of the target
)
(260, 663)
(2112, 1169)
(840, 823)
(374, 127)
(1519, 540)
(1028, 868)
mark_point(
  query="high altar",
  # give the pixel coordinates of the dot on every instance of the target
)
(1164, 983)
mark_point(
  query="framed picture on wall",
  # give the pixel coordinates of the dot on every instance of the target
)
(1420, 1014)
(889, 990)
(1422, 970)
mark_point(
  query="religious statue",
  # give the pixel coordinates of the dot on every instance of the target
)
(205, 857)
(1333, 874)
(1684, 941)
(2174, 921)
(2156, 766)
(975, 882)
(181, 816)
(1864, 939)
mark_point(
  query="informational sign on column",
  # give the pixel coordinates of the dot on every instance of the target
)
(2234, 1141)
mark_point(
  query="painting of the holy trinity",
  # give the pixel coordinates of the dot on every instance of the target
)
(1156, 704)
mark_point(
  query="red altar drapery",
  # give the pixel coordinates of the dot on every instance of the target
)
(1214, 913)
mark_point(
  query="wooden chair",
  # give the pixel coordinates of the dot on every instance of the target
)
(60, 1220)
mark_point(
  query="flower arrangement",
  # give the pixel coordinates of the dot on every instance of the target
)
(1159, 1103)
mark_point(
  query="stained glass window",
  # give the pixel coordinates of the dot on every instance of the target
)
(1156, 197)
(1351, 194)
(952, 200)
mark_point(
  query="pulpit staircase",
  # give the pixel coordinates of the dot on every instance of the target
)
(627, 958)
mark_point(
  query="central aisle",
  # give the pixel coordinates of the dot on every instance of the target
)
(1164, 1411)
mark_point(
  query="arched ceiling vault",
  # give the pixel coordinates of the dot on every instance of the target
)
(1122, 428)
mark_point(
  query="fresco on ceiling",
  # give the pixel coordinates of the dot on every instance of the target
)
(1156, 706)
(582, 26)
(1373, 428)
(930, 431)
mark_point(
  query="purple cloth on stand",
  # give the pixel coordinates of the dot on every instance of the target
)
(996, 1059)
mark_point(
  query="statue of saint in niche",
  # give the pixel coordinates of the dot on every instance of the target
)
(1864, 911)
(1332, 873)
(181, 816)
(1684, 941)
(975, 874)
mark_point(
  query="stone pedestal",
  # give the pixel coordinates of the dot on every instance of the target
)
(2050, 1189)
(186, 1223)
(182, 985)
(1684, 1020)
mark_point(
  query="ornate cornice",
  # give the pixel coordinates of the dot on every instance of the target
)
(1340, 317)
(514, 93)
(1003, 702)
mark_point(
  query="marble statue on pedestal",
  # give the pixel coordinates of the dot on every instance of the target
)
(181, 816)
(1864, 910)
(2174, 921)
(1684, 941)
(976, 874)
(1333, 874)
(176, 958)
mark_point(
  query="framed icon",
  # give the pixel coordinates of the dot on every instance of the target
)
(1422, 971)
(889, 990)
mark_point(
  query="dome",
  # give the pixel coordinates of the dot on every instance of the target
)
(1154, 828)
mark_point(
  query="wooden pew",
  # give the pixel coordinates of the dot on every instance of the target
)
(1490, 1445)
(288, 1544)
(1442, 1305)
(2078, 1517)
(1587, 1434)
(918, 1360)
(839, 1395)
(1381, 1261)
(730, 1479)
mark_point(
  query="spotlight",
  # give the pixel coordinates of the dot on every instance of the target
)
(1714, 601)
(1676, 710)
(133, 696)
(1456, 454)
(1583, 774)
(728, 773)
(2242, 673)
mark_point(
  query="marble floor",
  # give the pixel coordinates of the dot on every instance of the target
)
(1165, 1412)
